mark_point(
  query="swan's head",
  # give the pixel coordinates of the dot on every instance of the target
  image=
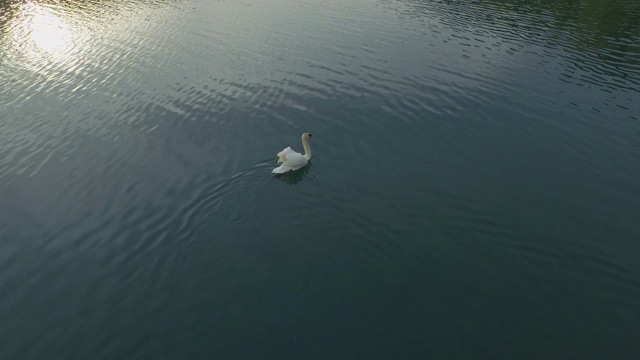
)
(307, 136)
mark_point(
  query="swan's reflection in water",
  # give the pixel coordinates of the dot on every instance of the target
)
(294, 177)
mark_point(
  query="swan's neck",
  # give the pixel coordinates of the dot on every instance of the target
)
(307, 149)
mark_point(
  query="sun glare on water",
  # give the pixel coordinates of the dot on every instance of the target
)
(40, 32)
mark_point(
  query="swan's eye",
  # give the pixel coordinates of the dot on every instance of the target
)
(310, 135)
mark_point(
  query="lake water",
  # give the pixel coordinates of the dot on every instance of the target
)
(474, 190)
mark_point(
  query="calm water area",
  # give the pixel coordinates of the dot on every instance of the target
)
(474, 190)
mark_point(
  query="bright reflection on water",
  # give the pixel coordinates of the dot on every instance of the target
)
(41, 36)
(40, 31)
(473, 193)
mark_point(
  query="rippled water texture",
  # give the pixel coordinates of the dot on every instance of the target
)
(473, 193)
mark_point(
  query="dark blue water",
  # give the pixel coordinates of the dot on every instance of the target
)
(474, 189)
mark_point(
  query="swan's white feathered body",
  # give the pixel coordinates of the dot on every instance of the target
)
(292, 160)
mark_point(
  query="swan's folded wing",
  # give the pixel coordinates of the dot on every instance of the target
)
(295, 160)
(285, 151)
(281, 169)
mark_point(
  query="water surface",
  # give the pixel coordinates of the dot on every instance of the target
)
(473, 192)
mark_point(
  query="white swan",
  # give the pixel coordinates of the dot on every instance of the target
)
(292, 160)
